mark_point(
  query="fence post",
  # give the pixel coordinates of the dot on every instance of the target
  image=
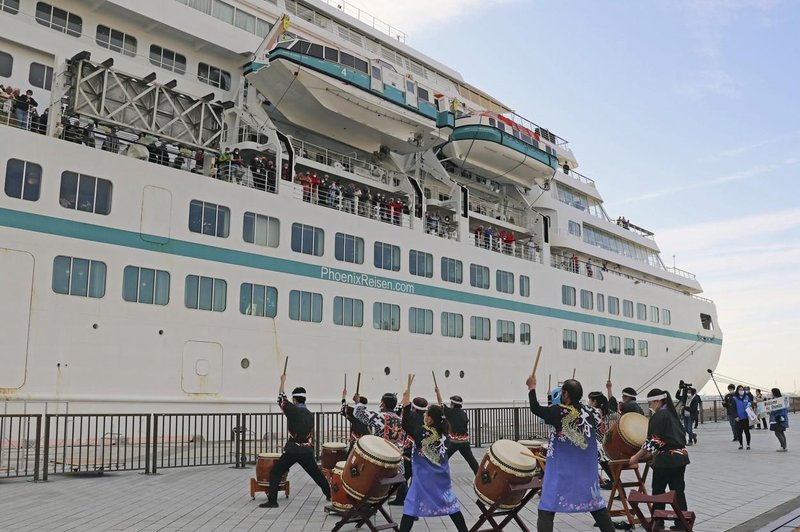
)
(715, 411)
(516, 423)
(479, 426)
(238, 442)
(38, 447)
(46, 446)
(154, 441)
(702, 416)
(147, 445)
(317, 420)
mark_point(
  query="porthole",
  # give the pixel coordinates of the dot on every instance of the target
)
(461, 373)
(245, 363)
(95, 326)
(386, 370)
(447, 373)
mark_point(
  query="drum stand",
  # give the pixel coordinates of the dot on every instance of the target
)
(255, 486)
(489, 513)
(363, 511)
(618, 488)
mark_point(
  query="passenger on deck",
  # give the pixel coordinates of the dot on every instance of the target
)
(237, 165)
(565, 167)
(348, 198)
(286, 174)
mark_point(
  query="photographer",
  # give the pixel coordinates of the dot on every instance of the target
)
(687, 406)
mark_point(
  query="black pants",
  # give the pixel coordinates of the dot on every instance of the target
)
(458, 519)
(672, 477)
(601, 517)
(763, 422)
(781, 435)
(466, 451)
(743, 425)
(607, 470)
(306, 460)
(402, 489)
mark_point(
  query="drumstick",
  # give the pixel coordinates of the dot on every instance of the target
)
(527, 453)
(285, 363)
(345, 381)
(536, 363)
(549, 382)
(434, 379)
(358, 382)
(609, 373)
(573, 373)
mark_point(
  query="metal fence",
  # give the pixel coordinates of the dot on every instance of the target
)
(36, 446)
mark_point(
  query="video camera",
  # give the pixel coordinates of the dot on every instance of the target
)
(685, 385)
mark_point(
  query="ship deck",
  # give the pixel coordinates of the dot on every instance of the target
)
(728, 489)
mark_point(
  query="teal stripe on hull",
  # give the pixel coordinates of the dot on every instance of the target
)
(134, 240)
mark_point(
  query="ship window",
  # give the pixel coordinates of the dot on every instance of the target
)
(40, 76)
(200, 5)
(79, 277)
(479, 276)
(567, 295)
(666, 317)
(525, 333)
(654, 314)
(480, 328)
(261, 230)
(10, 6)
(301, 47)
(85, 193)
(222, 11)
(308, 239)
(361, 65)
(245, 21)
(452, 325)
(6, 64)
(643, 348)
(501, 126)
(524, 286)
(209, 218)
(492, 122)
(258, 300)
(627, 308)
(305, 306)
(601, 303)
(505, 281)
(58, 19)
(410, 86)
(116, 40)
(385, 316)
(349, 248)
(630, 347)
(452, 270)
(601, 343)
(614, 345)
(526, 138)
(262, 27)
(570, 339)
(167, 59)
(641, 311)
(315, 50)
(574, 228)
(587, 341)
(387, 256)
(420, 320)
(587, 299)
(420, 263)
(145, 285)
(205, 293)
(422, 94)
(214, 76)
(348, 311)
(376, 72)
(705, 321)
(613, 305)
(23, 180)
(332, 54)
(505, 331)
(346, 59)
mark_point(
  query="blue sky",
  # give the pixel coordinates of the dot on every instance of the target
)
(685, 113)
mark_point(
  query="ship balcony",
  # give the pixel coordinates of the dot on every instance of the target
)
(336, 162)
(527, 250)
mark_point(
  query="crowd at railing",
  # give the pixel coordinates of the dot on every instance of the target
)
(573, 264)
(505, 243)
(347, 163)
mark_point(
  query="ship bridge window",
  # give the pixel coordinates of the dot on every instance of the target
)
(10, 6)
(420, 320)
(58, 19)
(85, 193)
(587, 341)
(524, 286)
(308, 239)
(116, 40)
(666, 317)
(613, 305)
(479, 276)
(205, 293)
(348, 312)
(480, 328)
(6, 64)
(568, 295)
(525, 333)
(627, 308)
(145, 285)
(505, 332)
(570, 339)
(216, 77)
(420, 263)
(23, 180)
(505, 281)
(385, 316)
(258, 300)
(452, 270)
(387, 256)
(209, 218)
(305, 306)
(705, 321)
(349, 248)
(40, 76)
(630, 347)
(614, 345)
(316, 50)
(332, 54)
(452, 325)
(167, 59)
(79, 277)
(261, 230)
(641, 311)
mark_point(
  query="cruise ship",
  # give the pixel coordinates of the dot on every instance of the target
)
(208, 187)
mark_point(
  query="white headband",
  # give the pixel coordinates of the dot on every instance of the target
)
(456, 402)
(420, 408)
(298, 395)
(626, 394)
(656, 397)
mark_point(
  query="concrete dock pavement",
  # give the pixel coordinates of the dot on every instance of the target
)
(728, 489)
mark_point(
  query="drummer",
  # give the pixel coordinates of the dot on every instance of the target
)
(431, 493)
(599, 401)
(629, 403)
(666, 441)
(570, 484)
(385, 423)
(357, 428)
(459, 429)
(416, 412)
(299, 448)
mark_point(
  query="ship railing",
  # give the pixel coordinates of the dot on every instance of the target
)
(20, 445)
(512, 215)
(580, 177)
(369, 20)
(347, 163)
(575, 265)
(442, 228)
(682, 273)
(382, 208)
(521, 250)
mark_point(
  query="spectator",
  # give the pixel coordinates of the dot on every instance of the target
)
(589, 271)
(237, 165)
(479, 235)
(286, 175)
(742, 403)
(690, 413)
(23, 104)
(762, 418)
(272, 176)
(565, 167)
(348, 197)
(779, 422)
(531, 246)
(224, 164)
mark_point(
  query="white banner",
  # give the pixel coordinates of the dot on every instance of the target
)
(770, 405)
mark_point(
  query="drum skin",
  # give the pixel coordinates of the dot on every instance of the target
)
(507, 462)
(626, 436)
(264, 465)
(340, 499)
(371, 460)
(332, 453)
